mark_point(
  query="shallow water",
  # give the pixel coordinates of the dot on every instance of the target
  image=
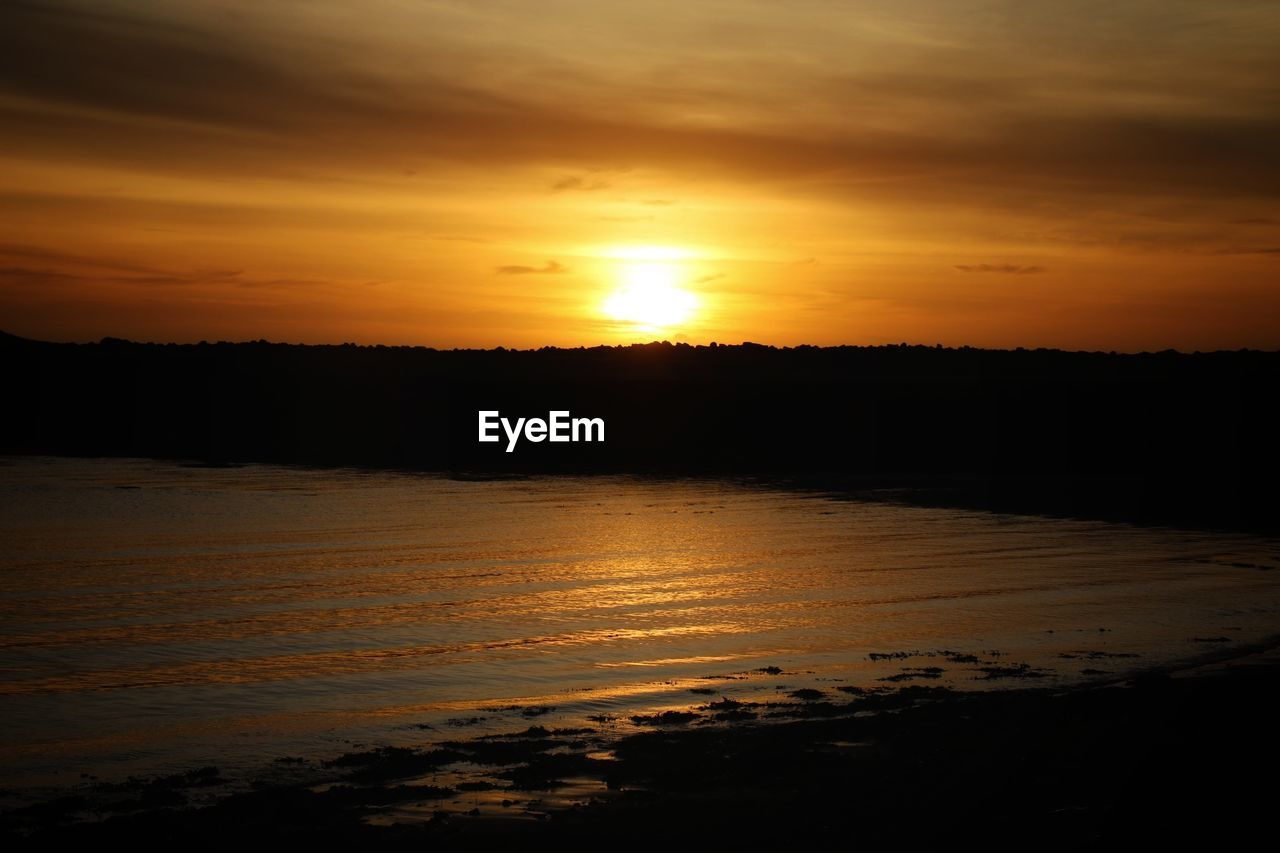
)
(155, 617)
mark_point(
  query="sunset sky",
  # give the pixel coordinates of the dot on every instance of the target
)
(1085, 175)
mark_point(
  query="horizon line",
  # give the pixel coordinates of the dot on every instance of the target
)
(110, 340)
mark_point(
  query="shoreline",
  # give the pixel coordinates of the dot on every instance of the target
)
(1161, 438)
(965, 494)
(1053, 754)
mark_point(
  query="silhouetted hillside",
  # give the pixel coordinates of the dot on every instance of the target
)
(1153, 437)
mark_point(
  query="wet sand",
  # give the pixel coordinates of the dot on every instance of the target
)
(1183, 753)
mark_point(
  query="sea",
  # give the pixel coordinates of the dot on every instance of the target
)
(158, 616)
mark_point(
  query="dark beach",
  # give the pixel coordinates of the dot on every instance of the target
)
(1178, 755)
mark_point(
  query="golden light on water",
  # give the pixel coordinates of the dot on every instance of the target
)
(651, 292)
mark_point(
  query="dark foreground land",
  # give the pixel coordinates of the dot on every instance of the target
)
(1174, 438)
(1189, 757)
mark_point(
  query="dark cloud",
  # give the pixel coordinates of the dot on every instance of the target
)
(551, 267)
(64, 53)
(183, 96)
(29, 274)
(71, 267)
(1254, 250)
(577, 182)
(26, 253)
(1254, 220)
(1015, 269)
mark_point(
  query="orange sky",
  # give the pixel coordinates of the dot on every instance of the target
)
(506, 172)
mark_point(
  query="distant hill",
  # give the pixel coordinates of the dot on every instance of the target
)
(1162, 437)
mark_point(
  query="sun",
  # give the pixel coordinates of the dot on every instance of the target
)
(649, 295)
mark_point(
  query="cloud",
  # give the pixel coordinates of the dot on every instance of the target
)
(72, 266)
(27, 253)
(577, 182)
(89, 270)
(30, 274)
(706, 278)
(1015, 269)
(188, 93)
(551, 267)
(254, 134)
(1257, 250)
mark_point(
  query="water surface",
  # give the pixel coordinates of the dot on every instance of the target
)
(155, 617)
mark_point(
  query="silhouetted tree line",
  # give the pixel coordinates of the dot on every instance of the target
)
(1159, 437)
